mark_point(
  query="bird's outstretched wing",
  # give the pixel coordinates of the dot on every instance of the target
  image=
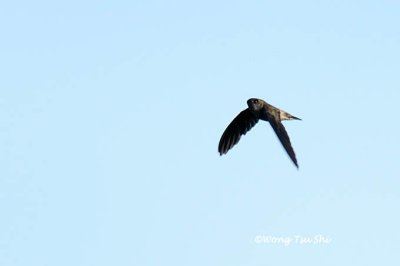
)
(284, 138)
(239, 126)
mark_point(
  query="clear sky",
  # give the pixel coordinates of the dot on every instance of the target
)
(111, 113)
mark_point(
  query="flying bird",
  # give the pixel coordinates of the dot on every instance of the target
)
(245, 120)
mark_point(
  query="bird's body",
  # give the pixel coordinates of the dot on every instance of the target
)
(245, 120)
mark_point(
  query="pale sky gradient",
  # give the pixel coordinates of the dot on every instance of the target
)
(111, 113)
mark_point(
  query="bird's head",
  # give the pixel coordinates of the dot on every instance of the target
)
(255, 105)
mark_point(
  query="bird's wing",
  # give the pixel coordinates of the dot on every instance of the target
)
(284, 138)
(239, 126)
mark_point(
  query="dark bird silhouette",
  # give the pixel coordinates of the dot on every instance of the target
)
(245, 120)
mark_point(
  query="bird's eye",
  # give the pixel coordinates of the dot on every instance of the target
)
(255, 101)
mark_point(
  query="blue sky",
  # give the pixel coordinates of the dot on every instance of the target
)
(111, 113)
